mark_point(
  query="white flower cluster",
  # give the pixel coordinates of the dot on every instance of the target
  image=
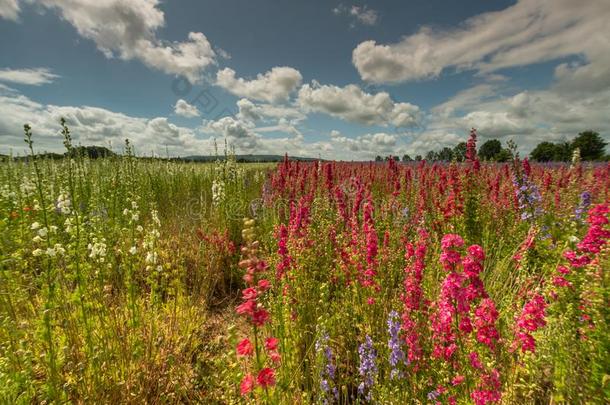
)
(6, 192)
(150, 241)
(97, 249)
(132, 213)
(576, 156)
(218, 192)
(63, 203)
(27, 187)
(56, 250)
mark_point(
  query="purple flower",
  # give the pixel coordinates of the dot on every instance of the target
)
(367, 368)
(397, 356)
(327, 373)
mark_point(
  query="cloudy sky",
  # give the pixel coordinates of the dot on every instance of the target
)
(320, 78)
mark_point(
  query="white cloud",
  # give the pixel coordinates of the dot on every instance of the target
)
(360, 14)
(33, 77)
(365, 146)
(237, 132)
(127, 29)
(352, 104)
(528, 32)
(273, 86)
(184, 109)
(250, 111)
(9, 9)
(89, 125)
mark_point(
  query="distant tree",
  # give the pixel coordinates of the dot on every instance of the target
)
(378, 158)
(446, 154)
(406, 158)
(591, 145)
(544, 152)
(490, 149)
(431, 156)
(504, 156)
(563, 151)
(459, 152)
(418, 158)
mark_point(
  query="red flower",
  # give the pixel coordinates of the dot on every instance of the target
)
(245, 348)
(264, 285)
(260, 317)
(266, 377)
(247, 384)
(249, 294)
(247, 307)
(271, 343)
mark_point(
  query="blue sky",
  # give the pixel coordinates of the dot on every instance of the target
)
(335, 79)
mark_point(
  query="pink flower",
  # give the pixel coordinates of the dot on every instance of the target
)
(260, 317)
(245, 348)
(486, 316)
(247, 384)
(530, 320)
(450, 241)
(247, 307)
(263, 284)
(266, 377)
(271, 343)
(457, 380)
(249, 294)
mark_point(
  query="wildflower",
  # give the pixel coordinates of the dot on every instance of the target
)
(530, 320)
(263, 285)
(260, 317)
(486, 316)
(266, 377)
(35, 226)
(37, 252)
(247, 384)
(585, 202)
(249, 293)
(218, 191)
(271, 343)
(327, 372)
(488, 390)
(247, 307)
(457, 380)
(397, 356)
(367, 368)
(245, 348)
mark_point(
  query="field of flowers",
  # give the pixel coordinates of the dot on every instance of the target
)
(129, 280)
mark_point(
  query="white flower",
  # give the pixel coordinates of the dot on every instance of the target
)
(59, 249)
(139, 228)
(50, 252)
(133, 250)
(125, 212)
(37, 252)
(42, 232)
(37, 239)
(35, 226)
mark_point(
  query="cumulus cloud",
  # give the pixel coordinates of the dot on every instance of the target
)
(9, 9)
(359, 14)
(273, 86)
(89, 125)
(237, 132)
(250, 111)
(33, 77)
(184, 109)
(127, 29)
(528, 32)
(352, 104)
(365, 146)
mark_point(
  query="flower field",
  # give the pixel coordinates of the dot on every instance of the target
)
(131, 280)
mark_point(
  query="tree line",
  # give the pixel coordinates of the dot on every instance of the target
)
(590, 145)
